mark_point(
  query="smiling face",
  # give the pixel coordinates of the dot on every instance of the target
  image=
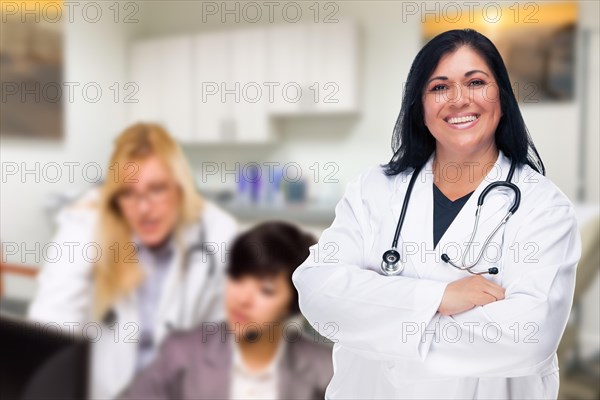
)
(149, 200)
(252, 301)
(461, 104)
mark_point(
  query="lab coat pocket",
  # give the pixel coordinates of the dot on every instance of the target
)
(391, 370)
(398, 373)
(342, 359)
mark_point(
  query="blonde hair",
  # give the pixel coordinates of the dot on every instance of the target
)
(117, 273)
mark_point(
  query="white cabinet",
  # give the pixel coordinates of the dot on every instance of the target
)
(162, 69)
(316, 67)
(144, 73)
(249, 73)
(211, 113)
(226, 86)
(287, 68)
(176, 95)
(231, 103)
(333, 67)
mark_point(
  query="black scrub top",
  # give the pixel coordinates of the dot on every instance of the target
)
(444, 212)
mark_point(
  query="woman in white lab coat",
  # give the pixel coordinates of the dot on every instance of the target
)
(147, 256)
(435, 331)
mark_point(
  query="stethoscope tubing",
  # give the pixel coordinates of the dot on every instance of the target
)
(391, 263)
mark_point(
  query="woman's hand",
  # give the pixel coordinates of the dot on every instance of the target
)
(466, 293)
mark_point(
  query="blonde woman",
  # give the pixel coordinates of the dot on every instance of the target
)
(148, 258)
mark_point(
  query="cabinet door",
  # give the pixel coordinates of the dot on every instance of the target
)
(145, 73)
(319, 59)
(333, 67)
(162, 70)
(287, 68)
(213, 114)
(176, 91)
(249, 74)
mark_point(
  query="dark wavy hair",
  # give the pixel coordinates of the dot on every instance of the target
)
(269, 249)
(413, 144)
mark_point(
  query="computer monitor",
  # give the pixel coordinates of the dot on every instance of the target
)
(38, 362)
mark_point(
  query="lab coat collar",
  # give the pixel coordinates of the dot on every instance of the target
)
(416, 238)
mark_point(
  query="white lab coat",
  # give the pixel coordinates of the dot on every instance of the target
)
(390, 340)
(65, 290)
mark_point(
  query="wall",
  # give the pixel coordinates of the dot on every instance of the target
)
(98, 52)
(93, 52)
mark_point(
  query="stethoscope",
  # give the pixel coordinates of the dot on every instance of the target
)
(198, 247)
(391, 264)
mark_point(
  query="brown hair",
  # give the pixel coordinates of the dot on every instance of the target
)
(269, 249)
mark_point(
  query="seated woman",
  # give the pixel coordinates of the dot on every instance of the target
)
(257, 353)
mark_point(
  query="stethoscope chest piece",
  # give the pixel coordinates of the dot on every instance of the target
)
(391, 265)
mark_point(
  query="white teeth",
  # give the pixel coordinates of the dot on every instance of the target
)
(462, 120)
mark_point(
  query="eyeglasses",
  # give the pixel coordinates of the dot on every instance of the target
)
(155, 194)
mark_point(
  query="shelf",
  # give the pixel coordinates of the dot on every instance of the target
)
(308, 214)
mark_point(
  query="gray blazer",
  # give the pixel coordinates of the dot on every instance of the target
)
(197, 364)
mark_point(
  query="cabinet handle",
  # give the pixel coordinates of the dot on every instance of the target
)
(233, 127)
(227, 128)
(307, 101)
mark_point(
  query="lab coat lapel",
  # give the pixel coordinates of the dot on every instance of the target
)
(496, 205)
(215, 368)
(292, 373)
(416, 231)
